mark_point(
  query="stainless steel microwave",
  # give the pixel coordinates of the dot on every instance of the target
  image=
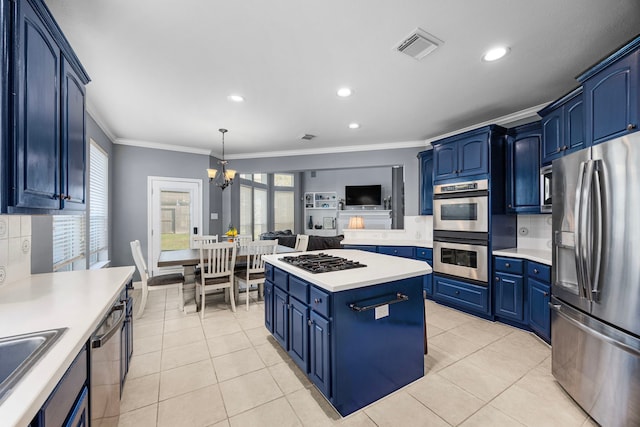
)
(545, 189)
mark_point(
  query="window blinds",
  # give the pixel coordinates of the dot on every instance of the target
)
(98, 204)
(68, 242)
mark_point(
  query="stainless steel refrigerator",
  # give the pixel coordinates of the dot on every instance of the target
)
(595, 316)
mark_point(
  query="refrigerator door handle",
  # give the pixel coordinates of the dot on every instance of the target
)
(596, 257)
(578, 231)
(586, 229)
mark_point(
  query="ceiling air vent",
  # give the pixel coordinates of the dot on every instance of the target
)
(419, 44)
(307, 137)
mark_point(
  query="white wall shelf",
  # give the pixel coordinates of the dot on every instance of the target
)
(320, 207)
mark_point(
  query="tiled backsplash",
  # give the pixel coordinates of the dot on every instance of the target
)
(534, 232)
(15, 248)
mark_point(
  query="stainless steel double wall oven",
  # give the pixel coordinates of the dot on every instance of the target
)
(461, 230)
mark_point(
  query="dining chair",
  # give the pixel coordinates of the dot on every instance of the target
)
(253, 274)
(302, 241)
(243, 239)
(217, 261)
(154, 283)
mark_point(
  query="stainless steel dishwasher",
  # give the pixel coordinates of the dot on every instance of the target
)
(105, 368)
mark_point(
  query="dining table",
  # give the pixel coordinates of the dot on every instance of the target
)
(190, 258)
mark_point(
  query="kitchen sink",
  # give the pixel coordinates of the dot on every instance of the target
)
(19, 353)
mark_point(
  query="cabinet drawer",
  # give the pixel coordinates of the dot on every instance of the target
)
(463, 294)
(402, 251)
(281, 279)
(299, 289)
(509, 265)
(368, 248)
(268, 271)
(539, 271)
(425, 253)
(63, 397)
(319, 301)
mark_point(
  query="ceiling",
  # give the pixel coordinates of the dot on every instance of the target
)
(162, 71)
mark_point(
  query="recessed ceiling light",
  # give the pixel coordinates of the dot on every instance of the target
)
(344, 92)
(495, 53)
(354, 125)
(236, 98)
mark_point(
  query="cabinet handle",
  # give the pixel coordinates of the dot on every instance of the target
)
(535, 271)
(546, 294)
(564, 148)
(310, 322)
(497, 279)
(56, 196)
(457, 292)
(631, 126)
(507, 265)
(508, 206)
(67, 197)
(317, 300)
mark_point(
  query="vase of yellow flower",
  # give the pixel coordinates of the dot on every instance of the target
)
(231, 233)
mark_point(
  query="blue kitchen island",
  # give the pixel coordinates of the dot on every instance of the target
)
(358, 334)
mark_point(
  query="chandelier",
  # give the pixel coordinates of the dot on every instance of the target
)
(225, 177)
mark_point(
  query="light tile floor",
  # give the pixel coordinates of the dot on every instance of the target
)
(228, 371)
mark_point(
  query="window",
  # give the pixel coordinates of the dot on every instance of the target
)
(98, 206)
(265, 207)
(68, 242)
(283, 202)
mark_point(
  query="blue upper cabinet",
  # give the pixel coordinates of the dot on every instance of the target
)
(426, 182)
(46, 156)
(74, 181)
(37, 132)
(465, 155)
(611, 94)
(523, 169)
(562, 126)
(445, 161)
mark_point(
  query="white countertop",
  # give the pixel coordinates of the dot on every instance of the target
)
(388, 242)
(537, 255)
(379, 269)
(76, 300)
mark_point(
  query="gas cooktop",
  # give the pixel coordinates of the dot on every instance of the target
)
(321, 263)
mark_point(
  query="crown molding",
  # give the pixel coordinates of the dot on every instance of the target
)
(528, 113)
(327, 150)
(159, 146)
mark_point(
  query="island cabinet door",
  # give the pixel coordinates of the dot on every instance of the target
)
(268, 305)
(299, 333)
(320, 353)
(281, 317)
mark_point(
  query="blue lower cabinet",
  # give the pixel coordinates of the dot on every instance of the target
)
(509, 296)
(299, 333)
(268, 305)
(427, 285)
(402, 251)
(368, 248)
(539, 313)
(462, 294)
(80, 415)
(67, 404)
(281, 317)
(320, 353)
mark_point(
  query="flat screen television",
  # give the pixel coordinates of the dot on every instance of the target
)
(363, 195)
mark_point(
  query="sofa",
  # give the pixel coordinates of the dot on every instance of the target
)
(316, 243)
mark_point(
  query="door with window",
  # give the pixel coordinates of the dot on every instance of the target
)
(175, 207)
